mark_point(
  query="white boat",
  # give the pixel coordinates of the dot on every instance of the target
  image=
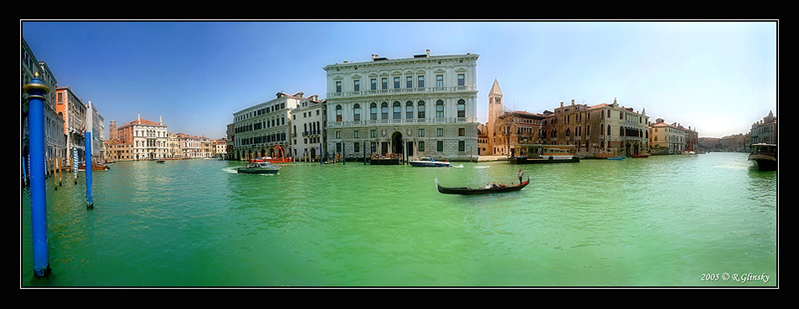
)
(259, 168)
(429, 162)
(764, 156)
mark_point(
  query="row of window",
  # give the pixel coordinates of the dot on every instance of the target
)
(421, 132)
(373, 84)
(396, 109)
(604, 113)
(622, 131)
(149, 133)
(261, 111)
(277, 137)
(356, 147)
(268, 123)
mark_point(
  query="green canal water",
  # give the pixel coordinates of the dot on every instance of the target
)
(708, 220)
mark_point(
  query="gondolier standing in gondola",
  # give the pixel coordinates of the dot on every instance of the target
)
(521, 174)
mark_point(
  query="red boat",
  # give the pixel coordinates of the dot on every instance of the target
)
(641, 155)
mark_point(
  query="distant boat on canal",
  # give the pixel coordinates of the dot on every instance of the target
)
(619, 158)
(259, 168)
(429, 162)
(485, 190)
(388, 159)
(95, 167)
(538, 153)
(764, 156)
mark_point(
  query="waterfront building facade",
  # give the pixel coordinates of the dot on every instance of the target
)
(601, 130)
(73, 111)
(765, 130)
(230, 137)
(515, 128)
(55, 140)
(482, 140)
(145, 139)
(95, 122)
(190, 147)
(308, 129)
(409, 107)
(264, 130)
(220, 148)
(667, 138)
(173, 148)
(116, 150)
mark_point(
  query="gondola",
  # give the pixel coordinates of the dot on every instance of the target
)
(470, 191)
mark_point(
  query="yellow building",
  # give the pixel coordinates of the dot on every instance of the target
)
(602, 130)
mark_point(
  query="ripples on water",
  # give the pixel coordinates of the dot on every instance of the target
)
(660, 221)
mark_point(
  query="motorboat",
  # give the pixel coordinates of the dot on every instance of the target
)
(476, 191)
(95, 167)
(764, 156)
(429, 162)
(619, 158)
(259, 168)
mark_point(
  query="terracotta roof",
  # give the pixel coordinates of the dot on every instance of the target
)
(143, 121)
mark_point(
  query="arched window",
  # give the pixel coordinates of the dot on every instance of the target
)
(397, 107)
(439, 109)
(373, 111)
(384, 110)
(608, 129)
(409, 110)
(461, 108)
(356, 112)
(420, 109)
(338, 113)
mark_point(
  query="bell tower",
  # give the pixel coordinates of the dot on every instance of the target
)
(494, 111)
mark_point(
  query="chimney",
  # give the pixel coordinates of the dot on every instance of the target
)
(428, 52)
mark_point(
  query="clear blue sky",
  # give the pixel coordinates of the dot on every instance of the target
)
(719, 77)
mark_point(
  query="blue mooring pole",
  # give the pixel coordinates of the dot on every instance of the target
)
(88, 140)
(36, 98)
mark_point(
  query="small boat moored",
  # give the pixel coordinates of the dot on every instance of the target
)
(429, 162)
(489, 190)
(95, 167)
(764, 156)
(619, 158)
(259, 168)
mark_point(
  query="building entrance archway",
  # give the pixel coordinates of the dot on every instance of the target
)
(396, 143)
